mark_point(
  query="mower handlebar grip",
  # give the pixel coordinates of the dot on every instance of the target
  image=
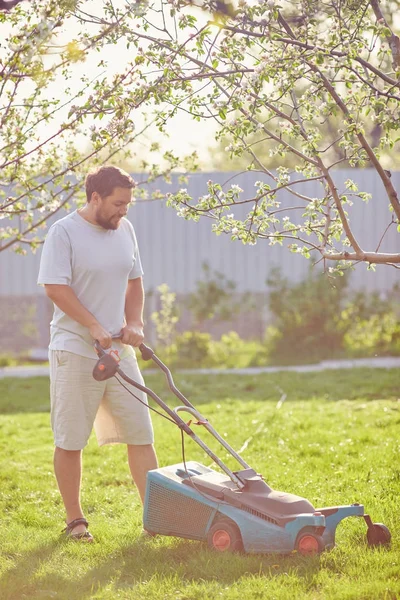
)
(99, 348)
(146, 352)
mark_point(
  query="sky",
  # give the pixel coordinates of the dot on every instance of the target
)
(185, 134)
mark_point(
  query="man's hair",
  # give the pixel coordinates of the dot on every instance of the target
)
(105, 179)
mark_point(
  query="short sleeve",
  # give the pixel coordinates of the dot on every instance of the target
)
(55, 262)
(137, 269)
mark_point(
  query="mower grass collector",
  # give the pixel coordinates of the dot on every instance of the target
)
(232, 510)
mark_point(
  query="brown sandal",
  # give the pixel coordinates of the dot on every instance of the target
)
(85, 536)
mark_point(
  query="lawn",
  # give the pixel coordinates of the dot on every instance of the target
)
(334, 439)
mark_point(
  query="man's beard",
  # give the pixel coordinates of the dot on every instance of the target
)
(107, 223)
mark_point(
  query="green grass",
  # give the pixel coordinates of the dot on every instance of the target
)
(335, 440)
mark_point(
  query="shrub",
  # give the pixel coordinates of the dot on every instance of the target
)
(306, 317)
(166, 318)
(7, 360)
(378, 335)
(192, 349)
(232, 352)
(314, 320)
(216, 298)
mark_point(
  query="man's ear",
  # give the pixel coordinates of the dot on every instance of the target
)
(95, 199)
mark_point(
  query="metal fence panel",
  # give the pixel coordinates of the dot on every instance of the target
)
(173, 249)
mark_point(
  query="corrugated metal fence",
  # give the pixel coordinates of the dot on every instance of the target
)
(173, 249)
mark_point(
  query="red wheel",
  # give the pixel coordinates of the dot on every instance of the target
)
(224, 536)
(221, 540)
(378, 535)
(309, 543)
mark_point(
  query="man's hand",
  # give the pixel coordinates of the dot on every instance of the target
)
(132, 334)
(101, 335)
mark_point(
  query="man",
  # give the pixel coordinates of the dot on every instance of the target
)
(91, 270)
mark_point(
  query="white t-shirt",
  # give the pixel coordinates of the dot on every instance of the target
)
(97, 264)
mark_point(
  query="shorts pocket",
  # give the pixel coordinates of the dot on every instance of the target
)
(61, 357)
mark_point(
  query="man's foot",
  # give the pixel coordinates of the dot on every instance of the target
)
(77, 530)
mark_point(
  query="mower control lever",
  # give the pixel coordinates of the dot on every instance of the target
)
(195, 413)
(203, 421)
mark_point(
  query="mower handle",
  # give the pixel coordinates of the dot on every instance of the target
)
(183, 426)
(99, 348)
(147, 354)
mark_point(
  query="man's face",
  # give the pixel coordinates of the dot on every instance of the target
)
(110, 210)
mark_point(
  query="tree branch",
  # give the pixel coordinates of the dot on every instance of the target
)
(8, 5)
(315, 49)
(393, 39)
(369, 257)
(391, 192)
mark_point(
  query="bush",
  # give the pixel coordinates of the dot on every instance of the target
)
(377, 335)
(195, 350)
(315, 320)
(232, 352)
(8, 360)
(213, 298)
(306, 318)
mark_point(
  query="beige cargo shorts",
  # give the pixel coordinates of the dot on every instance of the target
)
(79, 402)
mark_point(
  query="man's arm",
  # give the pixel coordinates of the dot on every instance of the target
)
(132, 333)
(66, 300)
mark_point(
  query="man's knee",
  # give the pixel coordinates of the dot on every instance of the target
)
(140, 448)
(66, 453)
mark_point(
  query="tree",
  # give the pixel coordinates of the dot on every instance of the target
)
(342, 60)
(284, 71)
(48, 112)
(328, 129)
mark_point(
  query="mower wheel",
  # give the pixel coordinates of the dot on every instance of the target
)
(309, 543)
(378, 535)
(224, 535)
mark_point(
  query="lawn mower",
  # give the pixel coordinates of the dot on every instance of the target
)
(231, 510)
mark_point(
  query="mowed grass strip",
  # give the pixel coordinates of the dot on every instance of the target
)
(334, 439)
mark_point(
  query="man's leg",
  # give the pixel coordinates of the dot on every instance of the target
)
(68, 470)
(75, 397)
(141, 459)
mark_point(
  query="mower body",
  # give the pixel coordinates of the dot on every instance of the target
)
(186, 502)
